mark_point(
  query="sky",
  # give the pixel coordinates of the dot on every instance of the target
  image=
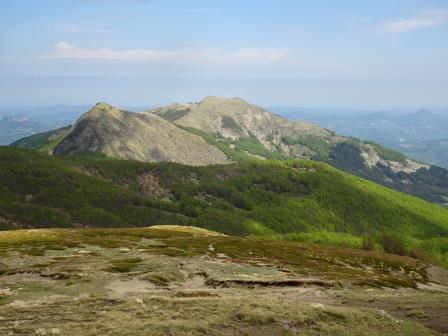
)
(382, 54)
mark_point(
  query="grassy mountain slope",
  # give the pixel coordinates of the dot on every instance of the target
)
(254, 197)
(137, 136)
(421, 135)
(44, 142)
(429, 183)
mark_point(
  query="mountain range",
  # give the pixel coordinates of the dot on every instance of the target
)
(226, 165)
(222, 130)
(421, 135)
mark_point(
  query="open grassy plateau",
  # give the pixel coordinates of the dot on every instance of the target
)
(169, 280)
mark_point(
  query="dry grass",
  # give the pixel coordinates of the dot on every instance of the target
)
(129, 281)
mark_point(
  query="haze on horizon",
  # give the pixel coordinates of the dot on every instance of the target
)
(349, 54)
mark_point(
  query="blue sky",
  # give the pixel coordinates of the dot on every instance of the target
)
(387, 54)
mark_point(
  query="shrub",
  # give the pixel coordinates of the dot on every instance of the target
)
(240, 201)
(420, 254)
(158, 280)
(368, 243)
(123, 265)
(393, 245)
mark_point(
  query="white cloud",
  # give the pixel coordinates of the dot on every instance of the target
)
(422, 19)
(216, 57)
(78, 28)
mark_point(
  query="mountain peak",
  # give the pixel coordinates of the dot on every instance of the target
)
(102, 105)
(422, 117)
(101, 110)
(137, 136)
(423, 112)
(223, 99)
(218, 98)
(235, 118)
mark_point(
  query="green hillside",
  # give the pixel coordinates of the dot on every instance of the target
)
(301, 200)
(44, 142)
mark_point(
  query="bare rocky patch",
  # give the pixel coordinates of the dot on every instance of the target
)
(150, 186)
(95, 172)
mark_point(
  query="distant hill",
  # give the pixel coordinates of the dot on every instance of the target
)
(420, 135)
(433, 151)
(20, 122)
(14, 127)
(220, 130)
(286, 198)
